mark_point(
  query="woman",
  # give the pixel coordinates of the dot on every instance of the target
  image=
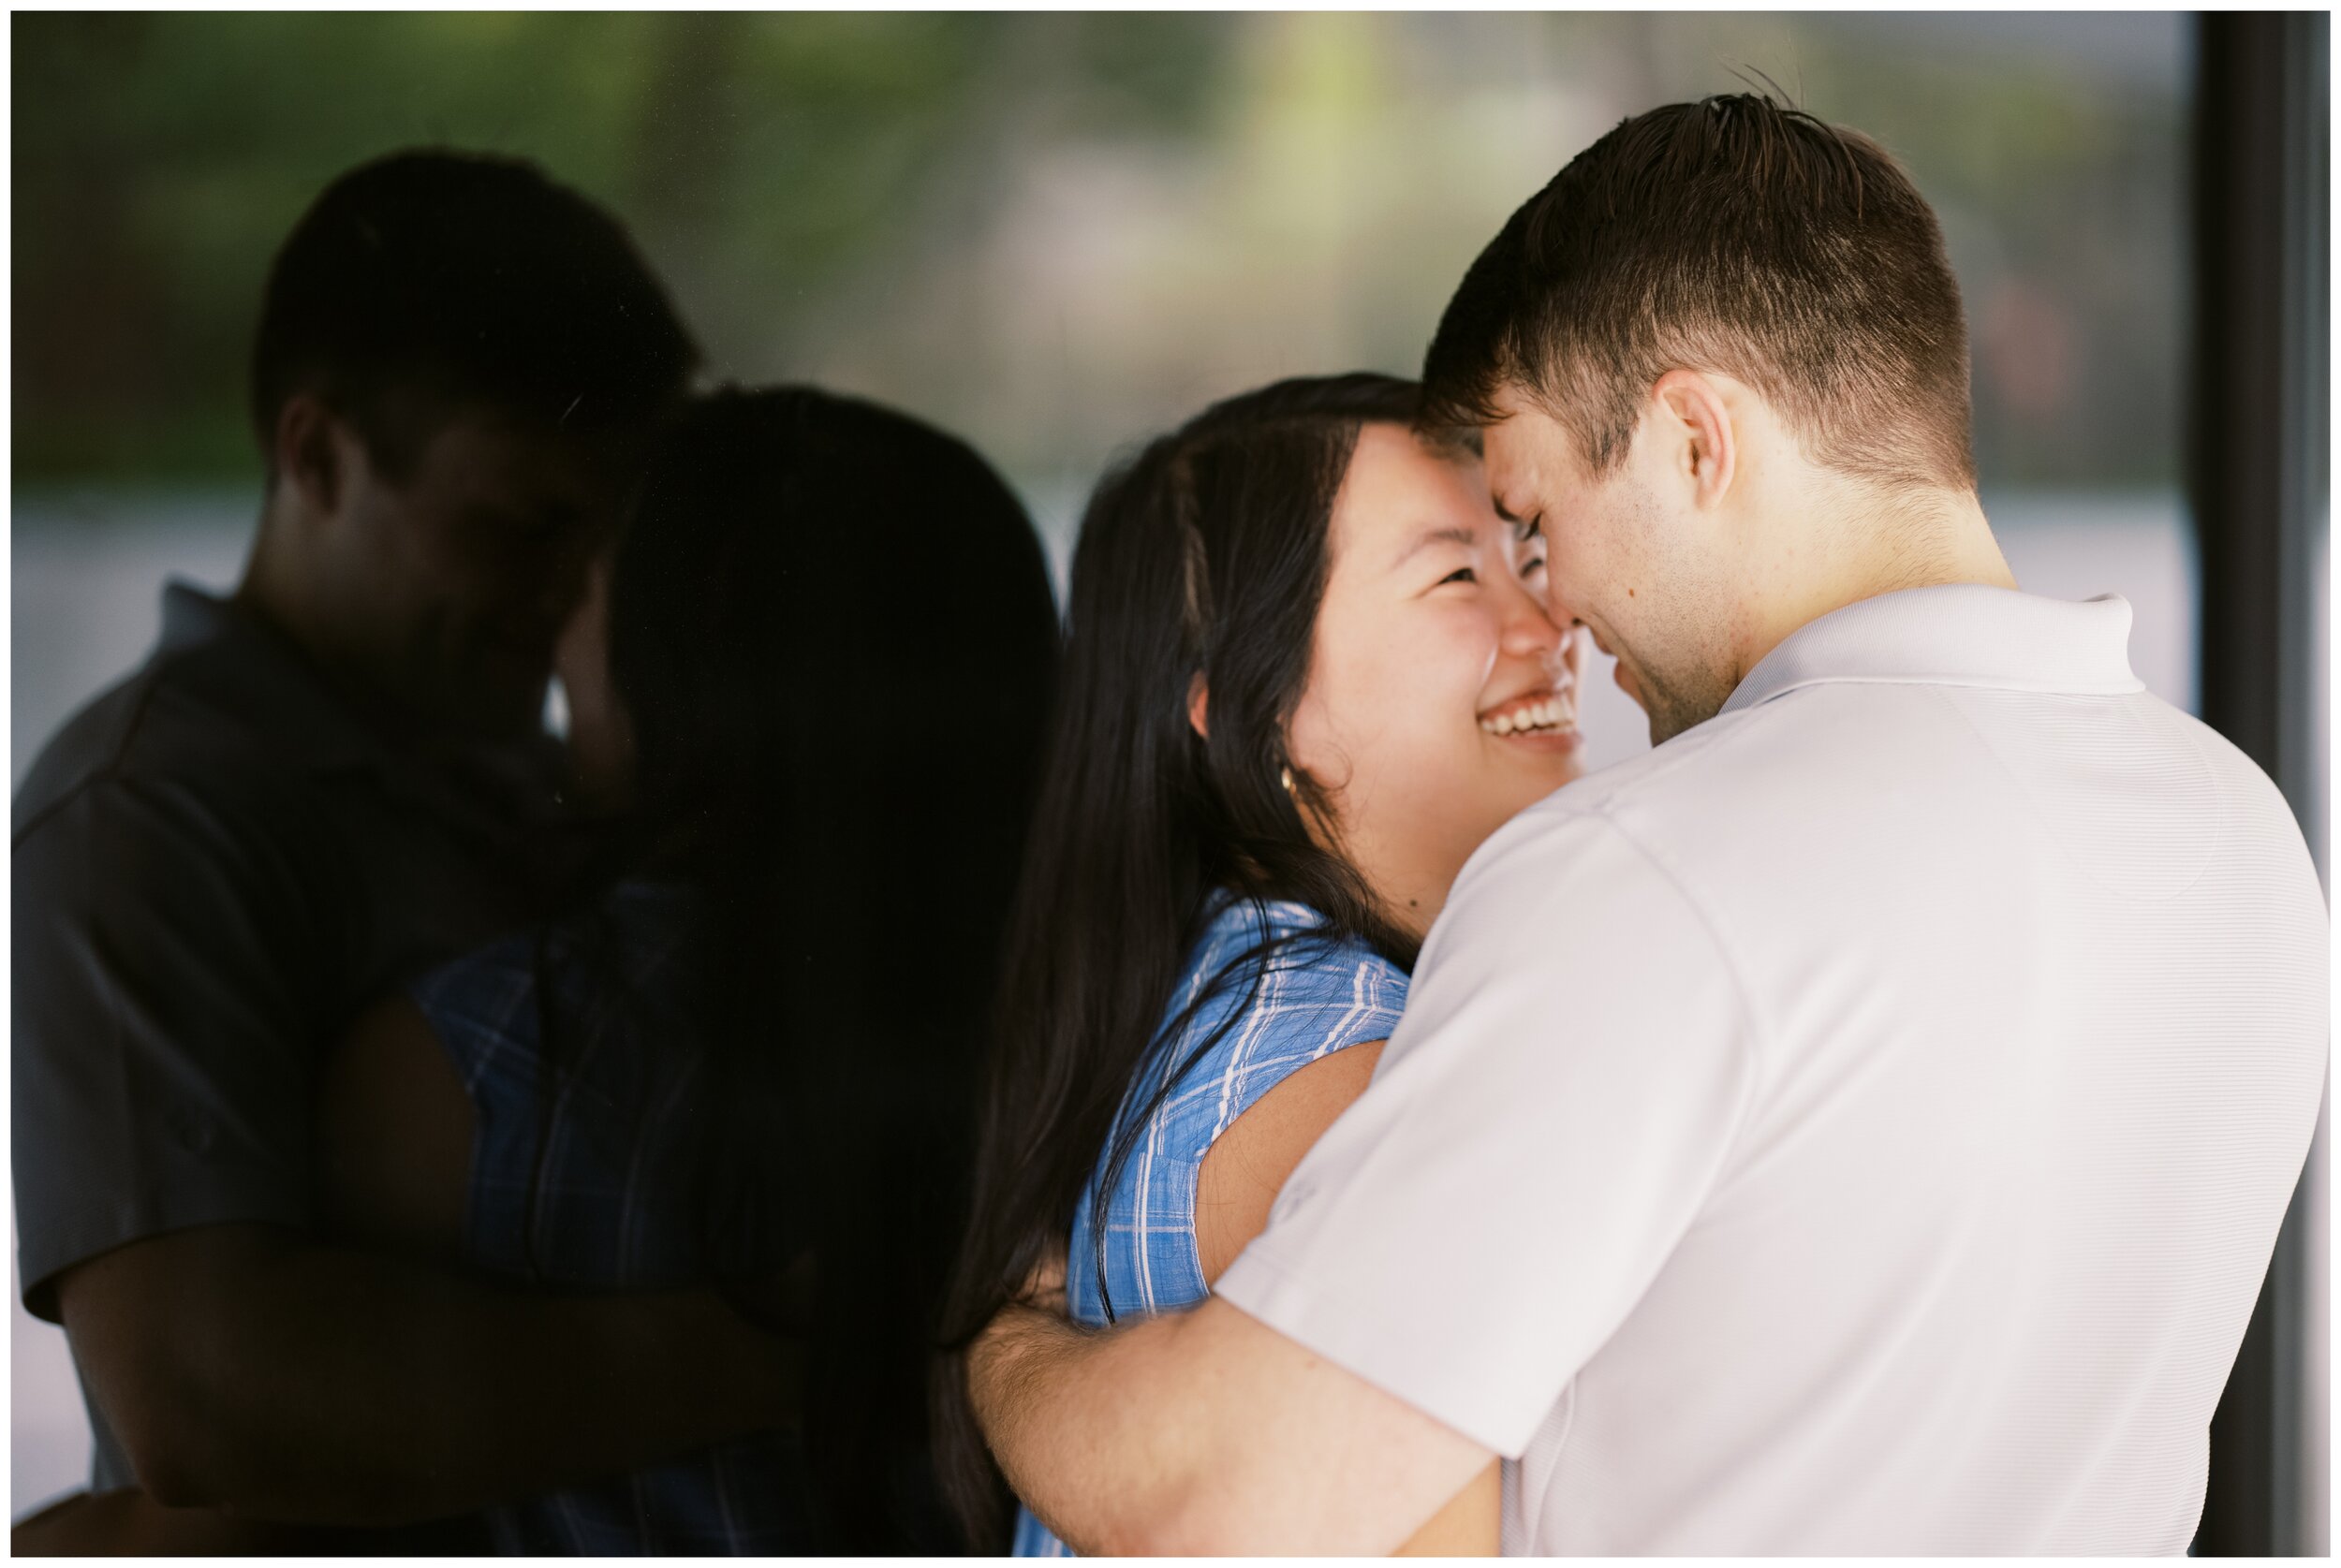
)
(1310, 670)
(830, 643)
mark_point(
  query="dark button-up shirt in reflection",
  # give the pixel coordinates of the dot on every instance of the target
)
(216, 866)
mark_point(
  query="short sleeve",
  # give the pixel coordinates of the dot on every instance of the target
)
(167, 1012)
(1246, 1020)
(482, 1008)
(1544, 1124)
(1316, 996)
(587, 1148)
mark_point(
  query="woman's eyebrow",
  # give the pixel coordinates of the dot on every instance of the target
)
(1522, 528)
(1450, 533)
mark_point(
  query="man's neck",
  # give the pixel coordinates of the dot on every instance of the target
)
(1933, 540)
(276, 592)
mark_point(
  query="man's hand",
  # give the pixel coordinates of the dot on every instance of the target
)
(1205, 1433)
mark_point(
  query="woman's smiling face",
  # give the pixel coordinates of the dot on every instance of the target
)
(1442, 698)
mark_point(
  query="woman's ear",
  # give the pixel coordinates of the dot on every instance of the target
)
(1198, 705)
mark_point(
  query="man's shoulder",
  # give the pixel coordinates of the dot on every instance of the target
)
(1686, 774)
(1842, 769)
(175, 723)
(2243, 781)
(1601, 843)
(1814, 752)
(1783, 772)
(87, 746)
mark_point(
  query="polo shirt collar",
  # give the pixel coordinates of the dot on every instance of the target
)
(192, 618)
(1955, 635)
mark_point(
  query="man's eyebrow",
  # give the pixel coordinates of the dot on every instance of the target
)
(1451, 535)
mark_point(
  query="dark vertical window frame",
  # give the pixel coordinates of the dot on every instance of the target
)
(2258, 483)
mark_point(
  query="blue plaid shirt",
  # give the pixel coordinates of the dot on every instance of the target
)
(1315, 996)
(611, 1203)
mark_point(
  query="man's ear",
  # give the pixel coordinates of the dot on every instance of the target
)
(313, 452)
(1198, 705)
(1696, 421)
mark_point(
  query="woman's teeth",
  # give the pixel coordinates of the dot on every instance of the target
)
(1554, 713)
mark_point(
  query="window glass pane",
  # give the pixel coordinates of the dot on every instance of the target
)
(1054, 233)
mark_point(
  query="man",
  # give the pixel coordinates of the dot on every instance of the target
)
(1859, 1125)
(309, 793)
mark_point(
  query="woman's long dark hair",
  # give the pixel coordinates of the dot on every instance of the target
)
(1205, 556)
(832, 628)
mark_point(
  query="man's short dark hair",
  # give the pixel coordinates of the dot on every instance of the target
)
(1732, 235)
(431, 279)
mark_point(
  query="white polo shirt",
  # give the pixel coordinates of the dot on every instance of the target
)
(1861, 1124)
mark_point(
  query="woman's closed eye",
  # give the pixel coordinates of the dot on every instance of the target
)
(1461, 574)
(1530, 539)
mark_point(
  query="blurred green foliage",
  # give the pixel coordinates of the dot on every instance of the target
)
(1056, 231)
(159, 157)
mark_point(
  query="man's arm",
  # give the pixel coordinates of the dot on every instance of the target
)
(175, 965)
(1246, 1168)
(246, 1368)
(130, 1523)
(1184, 1435)
(1545, 1123)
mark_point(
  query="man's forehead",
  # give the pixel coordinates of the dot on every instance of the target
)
(485, 433)
(1528, 450)
(487, 449)
(1509, 452)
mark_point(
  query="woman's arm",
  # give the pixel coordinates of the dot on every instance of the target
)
(394, 1136)
(1246, 1167)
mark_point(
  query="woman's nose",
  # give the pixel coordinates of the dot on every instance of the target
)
(1529, 631)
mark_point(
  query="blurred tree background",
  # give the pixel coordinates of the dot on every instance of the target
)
(1057, 232)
